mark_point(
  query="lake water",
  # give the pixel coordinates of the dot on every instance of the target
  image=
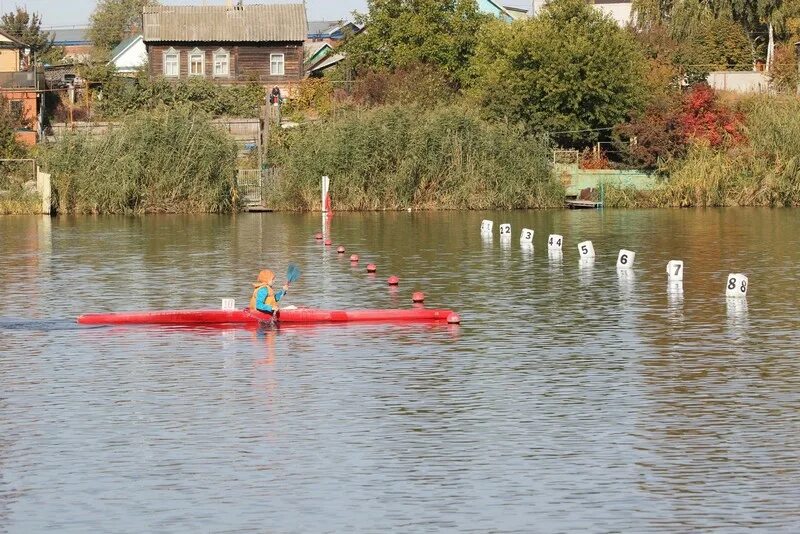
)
(572, 398)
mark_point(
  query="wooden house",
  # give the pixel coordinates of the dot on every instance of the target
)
(227, 44)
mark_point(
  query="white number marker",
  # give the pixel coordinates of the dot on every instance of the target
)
(675, 270)
(625, 259)
(555, 242)
(228, 304)
(526, 236)
(737, 285)
(505, 230)
(586, 249)
(487, 226)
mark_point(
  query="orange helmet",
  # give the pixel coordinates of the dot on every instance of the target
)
(265, 277)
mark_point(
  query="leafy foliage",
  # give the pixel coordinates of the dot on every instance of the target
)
(121, 96)
(419, 84)
(166, 161)
(402, 33)
(570, 69)
(28, 28)
(115, 20)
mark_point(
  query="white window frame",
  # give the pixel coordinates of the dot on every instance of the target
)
(218, 55)
(177, 63)
(282, 64)
(193, 54)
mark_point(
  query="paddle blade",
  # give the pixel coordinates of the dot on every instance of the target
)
(293, 273)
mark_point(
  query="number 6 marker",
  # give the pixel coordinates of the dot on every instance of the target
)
(737, 285)
(586, 250)
(555, 241)
(625, 259)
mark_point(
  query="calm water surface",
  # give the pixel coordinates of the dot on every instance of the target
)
(571, 398)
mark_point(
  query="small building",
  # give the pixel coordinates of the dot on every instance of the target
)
(315, 52)
(130, 55)
(739, 81)
(19, 88)
(227, 44)
(331, 32)
(75, 40)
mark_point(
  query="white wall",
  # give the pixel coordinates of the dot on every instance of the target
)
(739, 81)
(133, 58)
(621, 12)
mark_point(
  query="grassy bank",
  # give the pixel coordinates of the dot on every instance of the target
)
(164, 161)
(398, 157)
(763, 171)
(19, 203)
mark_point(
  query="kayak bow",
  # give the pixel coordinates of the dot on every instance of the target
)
(245, 317)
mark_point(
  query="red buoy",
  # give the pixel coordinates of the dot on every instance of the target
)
(328, 242)
(354, 258)
(393, 280)
(318, 236)
(418, 296)
(340, 250)
(453, 318)
(371, 268)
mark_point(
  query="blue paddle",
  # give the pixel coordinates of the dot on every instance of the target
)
(292, 273)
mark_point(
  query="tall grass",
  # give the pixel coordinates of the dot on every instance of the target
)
(164, 161)
(765, 171)
(399, 157)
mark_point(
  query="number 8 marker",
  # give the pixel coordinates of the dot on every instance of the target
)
(737, 285)
(555, 242)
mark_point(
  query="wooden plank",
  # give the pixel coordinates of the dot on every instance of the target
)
(583, 204)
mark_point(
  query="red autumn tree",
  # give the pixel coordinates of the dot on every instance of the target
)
(705, 118)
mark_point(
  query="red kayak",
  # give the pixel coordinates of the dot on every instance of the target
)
(247, 317)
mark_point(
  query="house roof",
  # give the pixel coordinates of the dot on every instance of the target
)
(9, 41)
(323, 27)
(316, 52)
(247, 23)
(124, 45)
(328, 62)
(70, 36)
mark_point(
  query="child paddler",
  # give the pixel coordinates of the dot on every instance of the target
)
(265, 299)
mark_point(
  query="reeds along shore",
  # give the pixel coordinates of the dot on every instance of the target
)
(399, 157)
(163, 161)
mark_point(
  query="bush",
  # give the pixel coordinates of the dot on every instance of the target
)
(170, 160)
(569, 70)
(398, 157)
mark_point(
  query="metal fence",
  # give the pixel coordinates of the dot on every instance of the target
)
(254, 185)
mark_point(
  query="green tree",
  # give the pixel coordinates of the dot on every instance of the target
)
(28, 28)
(115, 20)
(404, 33)
(568, 70)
